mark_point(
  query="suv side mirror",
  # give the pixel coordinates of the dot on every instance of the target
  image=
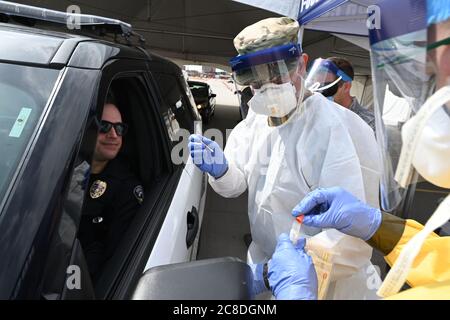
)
(210, 279)
(213, 95)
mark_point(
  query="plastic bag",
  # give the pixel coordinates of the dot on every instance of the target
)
(343, 266)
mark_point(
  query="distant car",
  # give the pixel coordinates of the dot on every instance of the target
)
(204, 98)
(244, 97)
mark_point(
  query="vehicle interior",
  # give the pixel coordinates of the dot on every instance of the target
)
(20, 111)
(200, 91)
(144, 151)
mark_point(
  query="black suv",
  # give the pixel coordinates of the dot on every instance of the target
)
(204, 98)
(53, 86)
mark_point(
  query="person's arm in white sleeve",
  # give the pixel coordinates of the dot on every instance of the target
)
(341, 165)
(233, 183)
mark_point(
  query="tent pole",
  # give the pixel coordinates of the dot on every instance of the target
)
(300, 34)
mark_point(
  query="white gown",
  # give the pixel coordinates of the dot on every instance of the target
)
(325, 145)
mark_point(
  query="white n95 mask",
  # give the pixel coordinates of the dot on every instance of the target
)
(426, 142)
(274, 100)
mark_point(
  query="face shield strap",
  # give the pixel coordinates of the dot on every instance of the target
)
(341, 74)
(321, 74)
(275, 121)
(284, 52)
(316, 86)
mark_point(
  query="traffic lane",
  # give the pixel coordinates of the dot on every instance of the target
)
(225, 92)
(225, 221)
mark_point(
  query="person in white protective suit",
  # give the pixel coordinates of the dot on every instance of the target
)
(292, 142)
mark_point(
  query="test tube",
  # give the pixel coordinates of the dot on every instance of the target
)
(294, 235)
(208, 147)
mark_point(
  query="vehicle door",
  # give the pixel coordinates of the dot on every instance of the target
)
(180, 232)
(43, 111)
(199, 179)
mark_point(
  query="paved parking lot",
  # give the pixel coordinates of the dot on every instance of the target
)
(226, 220)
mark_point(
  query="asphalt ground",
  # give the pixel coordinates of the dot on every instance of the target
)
(225, 221)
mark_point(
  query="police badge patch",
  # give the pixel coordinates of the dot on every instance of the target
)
(139, 194)
(98, 188)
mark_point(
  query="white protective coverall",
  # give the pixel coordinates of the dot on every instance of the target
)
(325, 145)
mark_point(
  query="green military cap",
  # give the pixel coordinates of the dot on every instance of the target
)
(267, 33)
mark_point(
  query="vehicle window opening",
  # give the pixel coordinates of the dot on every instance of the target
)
(115, 196)
(24, 93)
(175, 102)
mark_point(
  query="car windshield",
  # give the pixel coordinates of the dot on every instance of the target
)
(199, 90)
(24, 92)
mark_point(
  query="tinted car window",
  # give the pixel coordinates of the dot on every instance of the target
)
(24, 92)
(26, 47)
(175, 101)
(200, 91)
(192, 104)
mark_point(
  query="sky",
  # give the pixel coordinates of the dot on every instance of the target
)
(198, 68)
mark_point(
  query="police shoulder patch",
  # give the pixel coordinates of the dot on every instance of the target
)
(98, 188)
(139, 193)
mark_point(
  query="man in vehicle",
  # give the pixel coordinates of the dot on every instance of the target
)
(114, 194)
(292, 141)
(336, 76)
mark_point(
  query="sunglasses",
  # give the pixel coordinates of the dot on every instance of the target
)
(105, 126)
(435, 45)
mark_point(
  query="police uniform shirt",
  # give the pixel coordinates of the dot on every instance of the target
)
(112, 199)
(363, 113)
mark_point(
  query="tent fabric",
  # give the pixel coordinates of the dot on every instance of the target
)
(288, 8)
(337, 16)
(313, 9)
(413, 18)
(360, 41)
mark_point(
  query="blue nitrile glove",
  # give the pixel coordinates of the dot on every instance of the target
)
(291, 271)
(207, 155)
(258, 278)
(338, 209)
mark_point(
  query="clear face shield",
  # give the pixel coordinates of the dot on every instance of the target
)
(324, 77)
(401, 86)
(270, 73)
(426, 136)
